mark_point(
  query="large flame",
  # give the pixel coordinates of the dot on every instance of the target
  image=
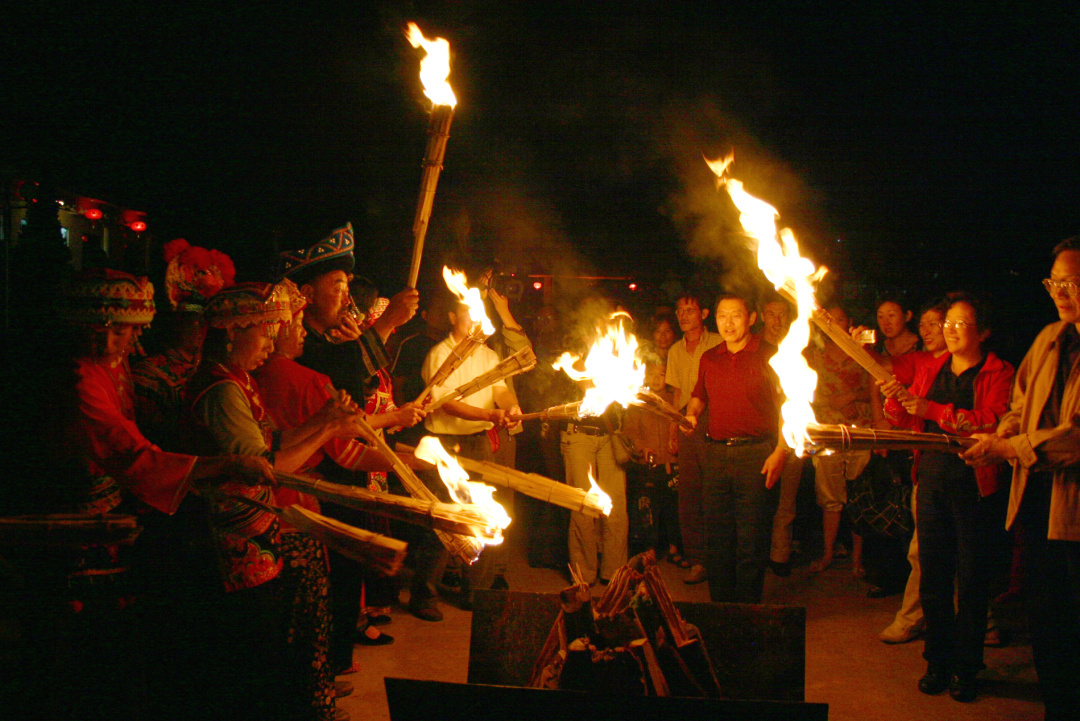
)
(455, 281)
(464, 491)
(434, 67)
(778, 257)
(595, 490)
(611, 364)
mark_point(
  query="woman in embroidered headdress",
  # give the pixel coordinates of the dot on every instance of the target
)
(274, 581)
(110, 466)
(192, 277)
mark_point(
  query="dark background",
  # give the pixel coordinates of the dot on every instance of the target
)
(911, 147)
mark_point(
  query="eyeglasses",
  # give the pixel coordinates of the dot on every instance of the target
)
(929, 326)
(1054, 286)
(958, 324)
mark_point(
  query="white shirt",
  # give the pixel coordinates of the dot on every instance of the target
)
(479, 361)
(682, 365)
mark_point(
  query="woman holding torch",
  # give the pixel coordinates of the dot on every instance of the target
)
(961, 510)
(275, 634)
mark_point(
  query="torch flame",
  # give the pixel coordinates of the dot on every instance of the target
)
(611, 364)
(464, 491)
(455, 281)
(604, 499)
(778, 257)
(434, 67)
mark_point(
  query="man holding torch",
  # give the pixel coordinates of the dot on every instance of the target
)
(740, 446)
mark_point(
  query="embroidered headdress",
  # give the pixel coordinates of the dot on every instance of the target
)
(246, 304)
(195, 274)
(334, 252)
(103, 296)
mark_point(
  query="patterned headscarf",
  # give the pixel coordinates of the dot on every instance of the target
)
(103, 296)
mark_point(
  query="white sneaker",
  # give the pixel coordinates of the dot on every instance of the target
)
(899, 632)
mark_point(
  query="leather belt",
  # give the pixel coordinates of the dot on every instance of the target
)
(738, 440)
(587, 430)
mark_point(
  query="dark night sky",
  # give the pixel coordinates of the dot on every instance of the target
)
(939, 146)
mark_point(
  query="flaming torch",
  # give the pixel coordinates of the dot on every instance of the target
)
(481, 329)
(476, 495)
(611, 365)
(434, 69)
(795, 277)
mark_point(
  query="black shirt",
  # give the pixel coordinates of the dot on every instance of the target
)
(959, 390)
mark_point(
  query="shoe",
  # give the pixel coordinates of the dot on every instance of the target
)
(426, 610)
(602, 581)
(451, 580)
(362, 639)
(963, 687)
(379, 619)
(902, 633)
(343, 689)
(697, 575)
(783, 570)
(820, 566)
(934, 681)
(500, 584)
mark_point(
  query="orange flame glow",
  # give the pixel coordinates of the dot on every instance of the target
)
(604, 499)
(435, 66)
(778, 257)
(611, 364)
(455, 281)
(477, 496)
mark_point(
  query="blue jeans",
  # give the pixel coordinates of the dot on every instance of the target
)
(738, 512)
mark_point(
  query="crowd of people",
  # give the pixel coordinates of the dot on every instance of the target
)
(293, 374)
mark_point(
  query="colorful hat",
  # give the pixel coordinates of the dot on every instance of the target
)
(195, 274)
(332, 253)
(103, 296)
(246, 304)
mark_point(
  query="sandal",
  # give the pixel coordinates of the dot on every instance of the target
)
(821, 565)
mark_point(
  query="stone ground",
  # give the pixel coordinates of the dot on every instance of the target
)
(847, 666)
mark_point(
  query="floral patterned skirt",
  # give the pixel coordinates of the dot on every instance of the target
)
(305, 575)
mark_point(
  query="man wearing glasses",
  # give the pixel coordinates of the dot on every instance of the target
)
(1040, 437)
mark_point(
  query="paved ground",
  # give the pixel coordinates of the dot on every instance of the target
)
(847, 667)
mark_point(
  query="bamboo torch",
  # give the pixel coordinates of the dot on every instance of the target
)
(434, 69)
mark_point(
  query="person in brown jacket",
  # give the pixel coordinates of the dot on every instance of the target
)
(1040, 437)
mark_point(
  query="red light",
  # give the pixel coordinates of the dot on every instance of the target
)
(93, 214)
(538, 285)
(138, 226)
(633, 286)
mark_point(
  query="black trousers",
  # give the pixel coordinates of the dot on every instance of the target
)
(1053, 600)
(961, 536)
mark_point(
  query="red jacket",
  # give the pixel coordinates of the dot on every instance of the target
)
(993, 385)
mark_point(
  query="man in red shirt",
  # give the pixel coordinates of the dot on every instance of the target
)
(740, 391)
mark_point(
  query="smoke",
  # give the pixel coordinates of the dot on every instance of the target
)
(703, 213)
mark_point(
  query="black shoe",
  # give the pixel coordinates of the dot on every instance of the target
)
(963, 687)
(362, 639)
(935, 681)
(380, 619)
(783, 570)
(426, 610)
(500, 584)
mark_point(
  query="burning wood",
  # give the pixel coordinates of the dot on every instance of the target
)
(452, 518)
(840, 438)
(374, 550)
(434, 69)
(493, 517)
(565, 412)
(521, 362)
(631, 640)
(611, 365)
(466, 548)
(649, 401)
(479, 332)
(593, 503)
